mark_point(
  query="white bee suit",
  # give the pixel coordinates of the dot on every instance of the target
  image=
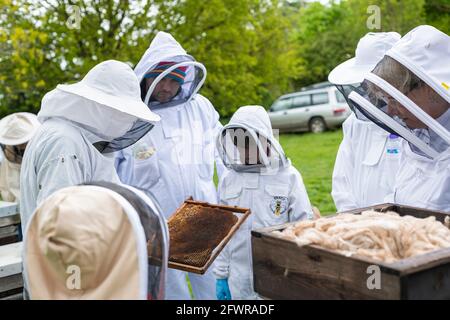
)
(369, 157)
(15, 129)
(275, 194)
(176, 159)
(366, 168)
(102, 107)
(421, 115)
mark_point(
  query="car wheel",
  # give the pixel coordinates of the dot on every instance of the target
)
(317, 125)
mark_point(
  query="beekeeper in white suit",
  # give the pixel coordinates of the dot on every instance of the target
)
(260, 177)
(15, 131)
(369, 156)
(81, 124)
(177, 159)
(91, 242)
(408, 93)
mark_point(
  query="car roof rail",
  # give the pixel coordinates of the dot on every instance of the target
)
(316, 86)
(319, 85)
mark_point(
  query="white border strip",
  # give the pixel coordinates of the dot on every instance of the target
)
(135, 221)
(163, 224)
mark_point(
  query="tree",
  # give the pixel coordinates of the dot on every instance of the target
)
(44, 48)
(328, 34)
(244, 44)
(23, 71)
(438, 14)
(254, 50)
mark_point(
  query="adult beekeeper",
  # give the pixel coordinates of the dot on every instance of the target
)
(369, 156)
(15, 131)
(82, 125)
(176, 160)
(408, 93)
(90, 242)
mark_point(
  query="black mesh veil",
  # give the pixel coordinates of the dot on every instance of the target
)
(154, 235)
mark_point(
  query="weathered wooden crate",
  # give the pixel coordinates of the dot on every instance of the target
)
(284, 270)
(9, 222)
(11, 283)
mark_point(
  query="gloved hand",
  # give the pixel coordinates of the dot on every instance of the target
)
(222, 290)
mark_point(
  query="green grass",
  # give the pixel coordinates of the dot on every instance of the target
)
(314, 155)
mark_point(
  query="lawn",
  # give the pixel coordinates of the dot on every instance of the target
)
(314, 155)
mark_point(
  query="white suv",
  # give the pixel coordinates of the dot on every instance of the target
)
(315, 108)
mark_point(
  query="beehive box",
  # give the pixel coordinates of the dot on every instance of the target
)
(9, 222)
(284, 270)
(11, 283)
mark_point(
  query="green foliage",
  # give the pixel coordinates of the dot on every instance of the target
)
(438, 14)
(22, 60)
(43, 51)
(314, 156)
(328, 35)
(254, 50)
(243, 43)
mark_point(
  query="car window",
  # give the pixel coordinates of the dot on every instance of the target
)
(320, 98)
(301, 101)
(340, 97)
(282, 104)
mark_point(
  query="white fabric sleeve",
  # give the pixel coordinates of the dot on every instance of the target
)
(299, 205)
(57, 173)
(343, 169)
(222, 262)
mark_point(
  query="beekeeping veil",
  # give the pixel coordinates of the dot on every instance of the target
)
(247, 142)
(408, 92)
(89, 242)
(106, 102)
(165, 48)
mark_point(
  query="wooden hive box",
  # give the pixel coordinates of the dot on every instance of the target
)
(11, 283)
(9, 222)
(284, 270)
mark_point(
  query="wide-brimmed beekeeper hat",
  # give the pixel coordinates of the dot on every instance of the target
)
(18, 128)
(370, 50)
(107, 102)
(121, 91)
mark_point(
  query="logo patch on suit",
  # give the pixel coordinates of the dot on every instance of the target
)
(279, 205)
(143, 151)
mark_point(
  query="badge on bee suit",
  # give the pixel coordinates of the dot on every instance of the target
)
(141, 151)
(279, 205)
